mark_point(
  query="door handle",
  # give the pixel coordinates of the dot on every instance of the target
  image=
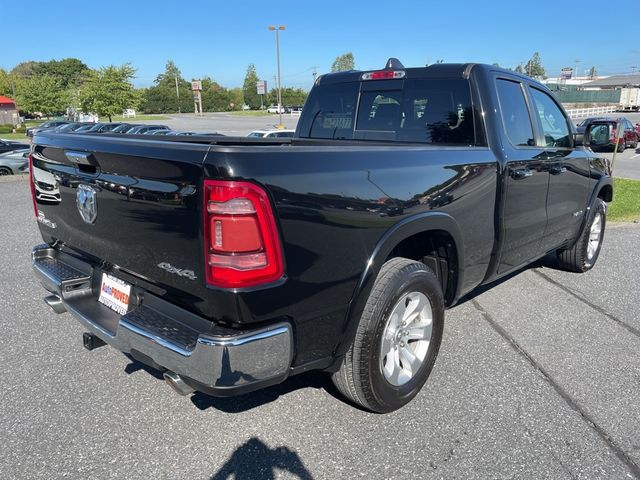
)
(520, 173)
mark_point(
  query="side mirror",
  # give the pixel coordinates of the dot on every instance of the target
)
(578, 139)
(596, 135)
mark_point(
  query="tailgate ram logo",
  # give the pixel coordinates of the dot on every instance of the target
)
(87, 203)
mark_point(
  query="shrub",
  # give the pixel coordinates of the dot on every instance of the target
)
(6, 128)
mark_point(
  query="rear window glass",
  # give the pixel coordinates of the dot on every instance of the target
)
(419, 110)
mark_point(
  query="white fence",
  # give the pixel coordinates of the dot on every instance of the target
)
(590, 112)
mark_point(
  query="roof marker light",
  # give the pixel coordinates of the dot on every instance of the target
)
(383, 75)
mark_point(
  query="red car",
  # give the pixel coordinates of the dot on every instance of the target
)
(629, 139)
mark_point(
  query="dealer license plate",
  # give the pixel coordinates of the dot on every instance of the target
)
(114, 293)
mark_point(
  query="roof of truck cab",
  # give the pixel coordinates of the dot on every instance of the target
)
(436, 70)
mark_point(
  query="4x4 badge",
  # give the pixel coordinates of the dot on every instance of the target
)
(177, 271)
(87, 203)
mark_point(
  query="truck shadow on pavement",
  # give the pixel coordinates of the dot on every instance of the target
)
(255, 460)
(242, 403)
(548, 262)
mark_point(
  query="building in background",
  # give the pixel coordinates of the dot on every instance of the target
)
(8, 112)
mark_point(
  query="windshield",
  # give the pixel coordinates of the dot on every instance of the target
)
(414, 110)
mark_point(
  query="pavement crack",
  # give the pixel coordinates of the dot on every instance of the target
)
(573, 404)
(599, 309)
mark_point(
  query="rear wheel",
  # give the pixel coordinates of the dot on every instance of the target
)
(397, 339)
(584, 253)
(621, 146)
(5, 171)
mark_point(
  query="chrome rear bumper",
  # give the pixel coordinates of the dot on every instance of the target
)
(216, 360)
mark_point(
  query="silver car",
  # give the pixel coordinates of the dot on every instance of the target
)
(13, 163)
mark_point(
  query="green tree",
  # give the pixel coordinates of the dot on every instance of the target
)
(25, 69)
(69, 71)
(215, 98)
(162, 97)
(534, 67)
(6, 83)
(43, 94)
(290, 96)
(519, 69)
(109, 91)
(249, 89)
(236, 96)
(343, 63)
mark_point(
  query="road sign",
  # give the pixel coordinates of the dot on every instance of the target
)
(566, 73)
(196, 85)
(261, 85)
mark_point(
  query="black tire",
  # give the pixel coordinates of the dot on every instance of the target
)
(5, 171)
(576, 258)
(621, 146)
(360, 377)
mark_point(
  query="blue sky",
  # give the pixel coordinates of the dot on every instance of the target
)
(220, 38)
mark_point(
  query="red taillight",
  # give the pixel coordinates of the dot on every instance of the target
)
(613, 134)
(33, 187)
(242, 247)
(383, 75)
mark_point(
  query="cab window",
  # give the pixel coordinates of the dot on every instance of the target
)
(515, 114)
(554, 124)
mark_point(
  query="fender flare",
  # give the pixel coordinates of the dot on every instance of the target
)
(424, 222)
(600, 184)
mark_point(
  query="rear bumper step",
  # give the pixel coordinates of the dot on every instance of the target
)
(216, 360)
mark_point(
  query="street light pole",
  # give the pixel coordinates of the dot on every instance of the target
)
(277, 30)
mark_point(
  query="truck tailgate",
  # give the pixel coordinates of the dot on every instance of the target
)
(133, 203)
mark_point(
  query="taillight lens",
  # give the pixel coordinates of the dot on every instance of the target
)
(32, 183)
(613, 134)
(242, 246)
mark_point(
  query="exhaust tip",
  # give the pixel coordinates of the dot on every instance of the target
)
(176, 382)
(56, 304)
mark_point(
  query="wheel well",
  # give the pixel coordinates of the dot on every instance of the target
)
(606, 193)
(437, 250)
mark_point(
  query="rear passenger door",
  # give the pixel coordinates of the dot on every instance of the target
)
(524, 215)
(568, 172)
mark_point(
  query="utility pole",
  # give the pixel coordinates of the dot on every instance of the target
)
(277, 30)
(177, 92)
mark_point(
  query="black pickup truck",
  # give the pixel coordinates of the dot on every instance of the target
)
(232, 263)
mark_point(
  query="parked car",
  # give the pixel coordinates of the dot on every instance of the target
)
(124, 127)
(275, 109)
(85, 128)
(71, 127)
(141, 129)
(45, 126)
(272, 133)
(104, 127)
(12, 163)
(229, 265)
(159, 131)
(189, 134)
(629, 138)
(10, 145)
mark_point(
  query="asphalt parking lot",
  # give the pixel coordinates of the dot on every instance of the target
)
(225, 123)
(538, 377)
